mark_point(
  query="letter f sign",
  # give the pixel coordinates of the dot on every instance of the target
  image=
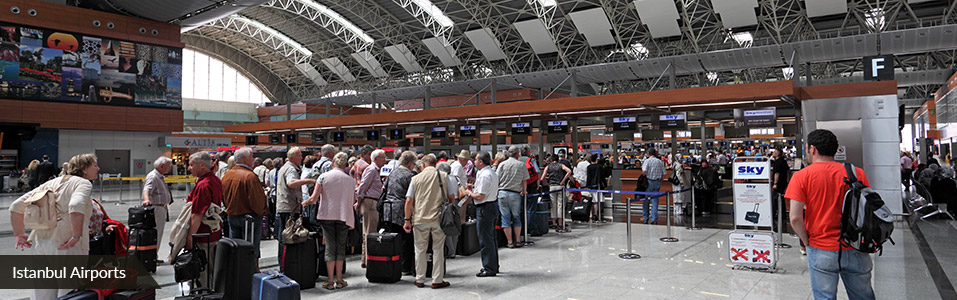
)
(879, 67)
(876, 64)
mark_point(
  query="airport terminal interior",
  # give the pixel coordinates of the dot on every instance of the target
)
(594, 149)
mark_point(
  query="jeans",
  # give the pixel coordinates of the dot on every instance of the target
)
(280, 224)
(237, 229)
(653, 187)
(510, 205)
(856, 273)
(486, 213)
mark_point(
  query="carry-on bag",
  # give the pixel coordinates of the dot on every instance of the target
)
(581, 211)
(235, 264)
(299, 263)
(143, 247)
(134, 295)
(266, 286)
(383, 257)
(142, 217)
(468, 242)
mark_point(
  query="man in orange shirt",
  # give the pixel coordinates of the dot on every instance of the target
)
(817, 195)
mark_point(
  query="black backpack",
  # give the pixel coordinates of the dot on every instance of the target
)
(866, 223)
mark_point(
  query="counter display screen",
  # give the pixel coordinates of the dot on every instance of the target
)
(624, 124)
(439, 132)
(252, 140)
(673, 121)
(338, 136)
(557, 126)
(319, 138)
(275, 138)
(396, 134)
(372, 135)
(467, 131)
(290, 138)
(522, 128)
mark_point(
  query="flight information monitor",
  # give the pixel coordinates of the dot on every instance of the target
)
(467, 130)
(557, 126)
(624, 123)
(521, 128)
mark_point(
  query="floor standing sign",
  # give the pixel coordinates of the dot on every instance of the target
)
(748, 246)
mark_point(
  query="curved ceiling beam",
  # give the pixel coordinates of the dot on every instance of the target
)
(354, 36)
(430, 16)
(271, 84)
(266, 35)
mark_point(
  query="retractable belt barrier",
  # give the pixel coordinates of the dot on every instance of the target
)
(529, 242)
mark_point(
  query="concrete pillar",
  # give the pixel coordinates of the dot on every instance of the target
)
(494, 94)
(807, 73)
(704, 133)
(674, 143)
(573, 126)
(542, 126)
(574, 81)
(493, 138)
(673, 77)
(427, 103)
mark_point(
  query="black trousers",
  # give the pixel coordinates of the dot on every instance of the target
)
(407, 257)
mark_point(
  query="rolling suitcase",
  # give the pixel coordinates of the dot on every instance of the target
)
(581, 211)
(468, 242)
(267, 286)
(141, 217)
(428, 268)
(143, 247)
(538, 219)
(500, 236)
(299, 263)
(235, 264)
(134, 295)
(267, 228)
(383, 257)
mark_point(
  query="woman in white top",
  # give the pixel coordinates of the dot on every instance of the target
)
(684, 178)
(71, 235)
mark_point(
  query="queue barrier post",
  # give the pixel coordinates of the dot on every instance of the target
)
(670, 238)
(694, 225)
(780, 241)
(629, 254)
(525, 230)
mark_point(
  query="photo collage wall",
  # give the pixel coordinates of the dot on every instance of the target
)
(53, 65)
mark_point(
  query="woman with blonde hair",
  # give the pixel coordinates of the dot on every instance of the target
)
(71, 235)
(32, 174)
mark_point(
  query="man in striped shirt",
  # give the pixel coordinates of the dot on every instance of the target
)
(654, 169)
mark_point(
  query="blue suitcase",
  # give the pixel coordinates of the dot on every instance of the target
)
(274, 287)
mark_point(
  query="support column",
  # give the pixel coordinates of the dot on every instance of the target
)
(427, 140)
(704, 132)
(574, 81)
(573, 125)
(494, 95)
(327, 108)
(674, 143)
(493, 138)
(427, 103)
(673, 76)
(799, 135)
(288, 118)
(542, 125)
(807, 72)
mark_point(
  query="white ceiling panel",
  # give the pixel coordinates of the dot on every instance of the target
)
(370, 63)
(536, 35)
(593, 23)
(736, 13)
(307, 69)
(339, 68)
(661, 16)
(817, 8)
(443, 50)
(485, 41)
(402, 55)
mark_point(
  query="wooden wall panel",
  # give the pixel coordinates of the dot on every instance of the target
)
(872, 88)
(175, 120)
(89, 116)
(11, 111)
(63, 115)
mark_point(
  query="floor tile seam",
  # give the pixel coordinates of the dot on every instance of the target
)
(943, 284)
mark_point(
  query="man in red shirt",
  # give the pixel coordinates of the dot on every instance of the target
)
(817, 195)
(208, 191)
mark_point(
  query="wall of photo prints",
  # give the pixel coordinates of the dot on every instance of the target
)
(54, 65)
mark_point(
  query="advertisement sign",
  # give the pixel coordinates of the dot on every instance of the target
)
(521, 128)
(188, 142)
(557, 126)
(752, 204)
(624, 123)
(438, 132)
(752, 248)
(762, 117)
(388, 167)
(467, 131)
(752, 170)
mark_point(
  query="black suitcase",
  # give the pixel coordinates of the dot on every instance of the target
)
(142, 217)
(235, 265)
(134, 295)
(143, 246)
(581, 211)
(500, 236)
(383, 257)
(354, 240)
(299, 263)
(80, 295)
(428, 268)
(321, 257)
(468, 242)
(200, 297)
(274, 287)
(538, 219)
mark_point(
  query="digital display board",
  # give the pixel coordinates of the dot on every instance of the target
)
(624, 123)
(439, 132)
(521, 128)
(275, 138)
(60, 66)
(557, 126)
(318, 137)
(252, 140)
(372, 135)
(467, 130)
(673, 121)
(338, 136)
(291, 138)
(396, 134)
(762, 117)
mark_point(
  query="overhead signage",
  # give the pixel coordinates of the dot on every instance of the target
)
(879, 67)
(291, 138)
(338, 136)
(624, 123)
(752, 204)
(252, 140)
(318, 137)
(467, 131)
(275, 138)
(439, 132)
(752, 170)
(521, 128)
(396, 134)
(372, 135)
(752, 248)
(764, 117)
(676, 121)
(188, 142)
(557, 126)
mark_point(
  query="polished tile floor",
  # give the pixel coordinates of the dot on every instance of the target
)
(583, 264)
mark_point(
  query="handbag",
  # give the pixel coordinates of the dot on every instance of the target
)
(450, 213)
(673, 178)
(294, 233)
(189, 264)
(103, 244)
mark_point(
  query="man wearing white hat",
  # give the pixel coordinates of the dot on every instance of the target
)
(458, 167)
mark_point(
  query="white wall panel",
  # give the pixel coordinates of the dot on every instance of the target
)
(370, 63)
(340, 69)
(443, 50)
(142, 145)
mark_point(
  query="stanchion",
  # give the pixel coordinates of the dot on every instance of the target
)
(527, 241)
(780, 242)
(694, 225)
(670, 238)
(629, 254)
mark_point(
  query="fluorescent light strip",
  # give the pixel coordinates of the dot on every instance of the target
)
(272, 32)
(500, 117)
(373, 125)
(716, 104)
(338, 19)
(317, 128)
(598, 111)
(434, 12)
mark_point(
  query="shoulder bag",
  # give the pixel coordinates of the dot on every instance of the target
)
(294, 233)
(450, 213)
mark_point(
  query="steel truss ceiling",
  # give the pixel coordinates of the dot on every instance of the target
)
(401, 22)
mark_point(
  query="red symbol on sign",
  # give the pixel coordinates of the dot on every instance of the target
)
(742, 254)
(139, 165)
(762, 255)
